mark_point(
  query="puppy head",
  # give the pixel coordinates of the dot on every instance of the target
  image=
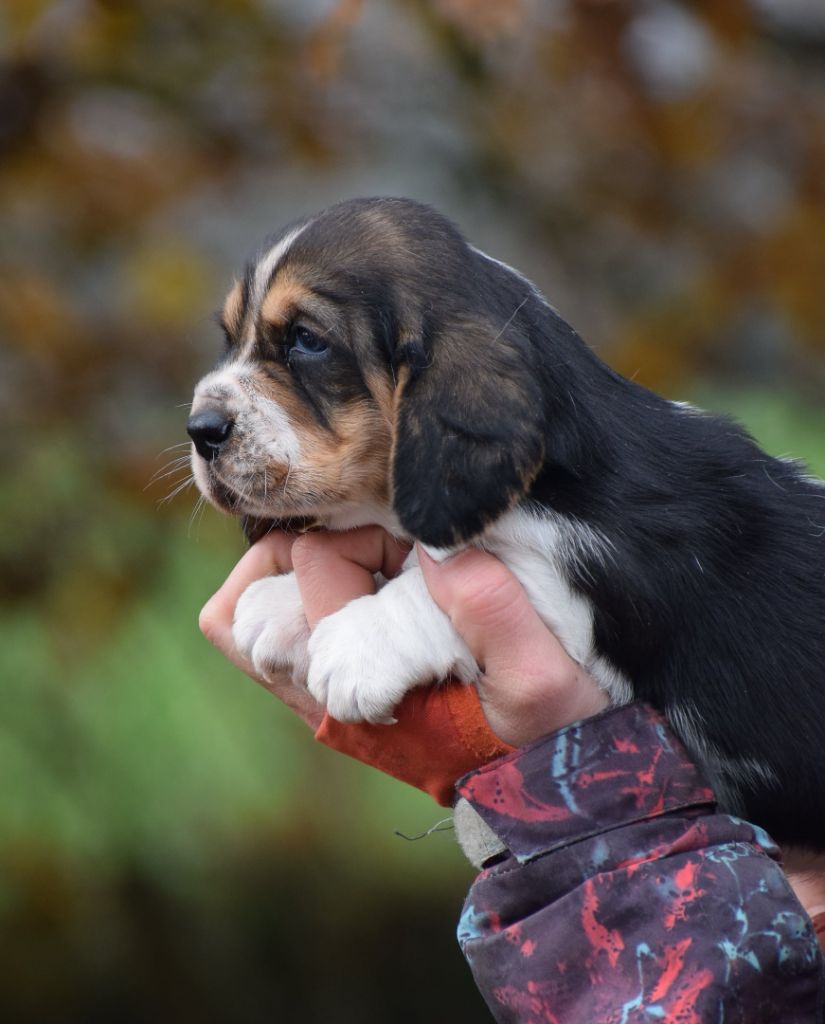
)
(377, 369)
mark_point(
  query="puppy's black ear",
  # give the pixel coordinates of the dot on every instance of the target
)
(469, 431)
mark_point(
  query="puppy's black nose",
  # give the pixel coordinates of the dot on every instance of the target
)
(210, 431)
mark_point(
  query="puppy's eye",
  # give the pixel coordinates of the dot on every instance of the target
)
(306, 342)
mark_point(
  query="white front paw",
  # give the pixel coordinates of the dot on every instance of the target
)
(270, 628)
(363, 660)
(353, 671)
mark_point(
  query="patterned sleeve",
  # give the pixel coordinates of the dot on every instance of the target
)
(620, 895)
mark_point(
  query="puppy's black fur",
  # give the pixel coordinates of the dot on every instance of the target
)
(711, 597)
(709, 591)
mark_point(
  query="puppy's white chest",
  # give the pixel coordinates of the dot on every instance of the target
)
(542, 550)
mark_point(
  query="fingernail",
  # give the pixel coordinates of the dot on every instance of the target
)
(438, 555)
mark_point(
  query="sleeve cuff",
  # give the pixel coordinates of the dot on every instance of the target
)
(441, 734)
(621, 766)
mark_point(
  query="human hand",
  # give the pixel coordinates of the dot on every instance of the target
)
(529, 686)
(331, 570)
(272, 555)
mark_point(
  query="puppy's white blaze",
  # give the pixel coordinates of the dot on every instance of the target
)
(275, 432)
(256, 416)
(269, 263)
(219, 384)
(225, 383)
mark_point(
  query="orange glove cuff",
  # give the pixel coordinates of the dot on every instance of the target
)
(441, 734)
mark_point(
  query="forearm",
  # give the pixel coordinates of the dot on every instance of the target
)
(621, 894)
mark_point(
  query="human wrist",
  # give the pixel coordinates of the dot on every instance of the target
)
(440, 735)
(523, 712)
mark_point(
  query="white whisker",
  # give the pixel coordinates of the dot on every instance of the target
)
(242, 496)
(203, 506)
(199, 504)
(175, 466)
(187, 482)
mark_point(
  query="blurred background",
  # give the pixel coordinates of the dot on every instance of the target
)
(173, 846)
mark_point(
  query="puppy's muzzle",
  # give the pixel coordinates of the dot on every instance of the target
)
(209, 430)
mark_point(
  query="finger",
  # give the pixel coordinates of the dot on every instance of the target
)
(490, 609)
(296, 698)
(333, 569)
(529, 684)
(269, 556)
(517, 655)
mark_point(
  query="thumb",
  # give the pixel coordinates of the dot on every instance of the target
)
(529, 685)
(489, 609)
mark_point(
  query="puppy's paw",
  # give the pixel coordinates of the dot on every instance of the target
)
(270, 628)
(361, 664)
(356, 673)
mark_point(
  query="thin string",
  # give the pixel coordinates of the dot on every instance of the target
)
(445, 825)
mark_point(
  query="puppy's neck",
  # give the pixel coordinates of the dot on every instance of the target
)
(349, 516)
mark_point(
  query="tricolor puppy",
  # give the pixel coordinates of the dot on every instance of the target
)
(379, 369)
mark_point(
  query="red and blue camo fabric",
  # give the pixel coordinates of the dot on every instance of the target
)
(626, 898)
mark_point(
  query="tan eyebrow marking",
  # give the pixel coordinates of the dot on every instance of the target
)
(284, 295)
(383, 393)
(233, 309)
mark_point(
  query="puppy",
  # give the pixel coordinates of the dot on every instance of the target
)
(379, 369)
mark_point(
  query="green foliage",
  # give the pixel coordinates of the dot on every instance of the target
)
(151, 748)
(782, 424)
